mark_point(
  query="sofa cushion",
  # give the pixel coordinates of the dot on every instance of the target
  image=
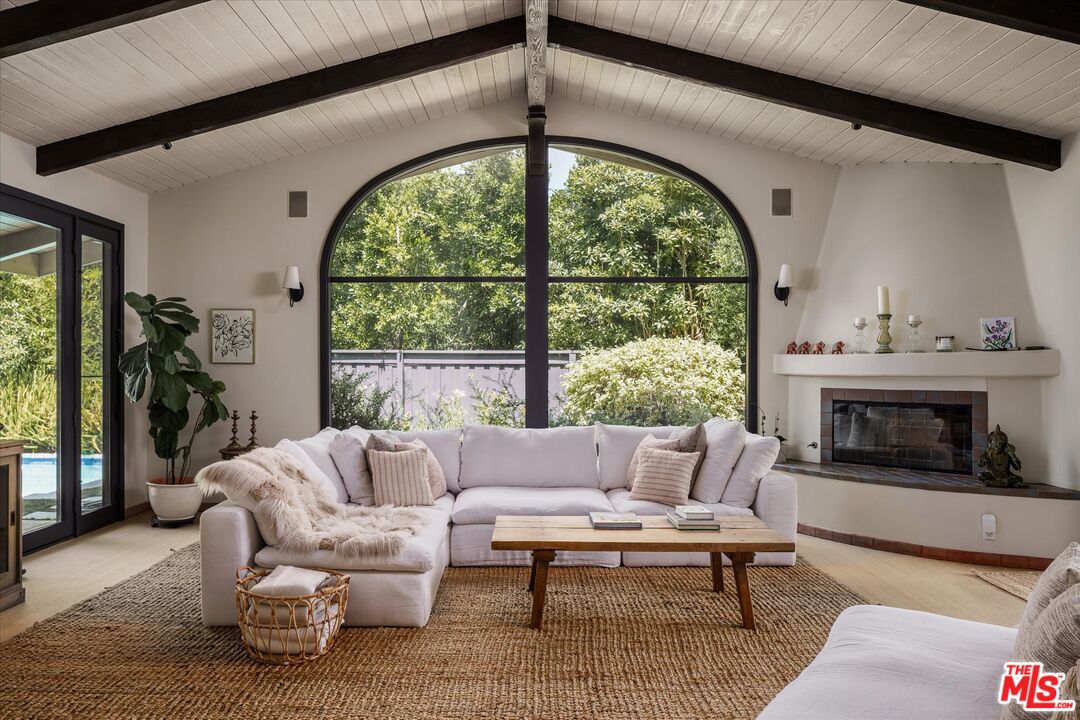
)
(317, 448)
(1061, 575)
(349, 451)
(400, 477)
(1053, 639)
(650, 442)
(882, 662)
(756, 459)
(484, 504)
(617, 445)
(445, 445)
(420, 553)
(620, 500)
(724, 443)
(313, 471)
(664, 476)
(552, 457)
(435, 475)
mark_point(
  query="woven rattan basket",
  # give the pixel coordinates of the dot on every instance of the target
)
(289, 630)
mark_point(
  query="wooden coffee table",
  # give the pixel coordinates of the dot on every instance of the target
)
(738, 538)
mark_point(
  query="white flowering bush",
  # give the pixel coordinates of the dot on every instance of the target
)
(658, 381)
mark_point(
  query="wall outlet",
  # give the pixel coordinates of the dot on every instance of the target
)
(989, 526)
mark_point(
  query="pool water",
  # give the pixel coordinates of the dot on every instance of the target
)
(40, 477)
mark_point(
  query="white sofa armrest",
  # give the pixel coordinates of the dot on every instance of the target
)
(777, 504)
(229, 539)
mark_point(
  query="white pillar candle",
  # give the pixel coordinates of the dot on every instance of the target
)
(882, 300)
(860, 320)
(913, 318)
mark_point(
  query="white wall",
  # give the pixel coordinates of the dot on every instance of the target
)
(941, 237)
(86, 190)
(1046, 207)
(224, 242)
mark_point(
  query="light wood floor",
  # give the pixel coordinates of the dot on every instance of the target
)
(75, 570)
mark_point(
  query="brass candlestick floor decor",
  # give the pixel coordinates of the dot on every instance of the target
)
(254, 442)
(884, 339)
(234, 448)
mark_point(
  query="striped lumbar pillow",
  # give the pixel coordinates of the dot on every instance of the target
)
(400, 478)
(664, 476)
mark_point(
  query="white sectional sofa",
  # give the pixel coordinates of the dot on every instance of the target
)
(490, 471)
(887, 663)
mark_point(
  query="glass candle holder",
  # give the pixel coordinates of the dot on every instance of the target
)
(913, 336)
(860, 337)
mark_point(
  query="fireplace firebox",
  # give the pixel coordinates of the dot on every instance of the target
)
(943, 431)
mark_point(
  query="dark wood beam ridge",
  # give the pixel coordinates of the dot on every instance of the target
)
(1057, 19)
(842, 104)
(37, 24)
(281, 95)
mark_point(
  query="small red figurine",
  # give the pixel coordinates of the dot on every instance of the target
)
(804, 349)
(838, 348)
(792, 349)
(819, 349)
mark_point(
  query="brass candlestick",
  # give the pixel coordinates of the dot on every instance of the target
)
(884, 339)
(254, 443)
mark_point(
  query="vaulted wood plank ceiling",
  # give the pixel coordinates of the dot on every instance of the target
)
(890, 49)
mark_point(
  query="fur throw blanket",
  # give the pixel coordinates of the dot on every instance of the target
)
(294, 512)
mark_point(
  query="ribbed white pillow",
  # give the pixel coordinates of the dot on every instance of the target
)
(317, 448)
(400, 477)
(664, 476)
(724, 443)
(757, 458)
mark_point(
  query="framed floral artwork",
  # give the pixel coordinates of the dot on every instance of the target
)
(998, 333)
(232, 336)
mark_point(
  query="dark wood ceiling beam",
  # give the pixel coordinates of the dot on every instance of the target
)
(848, 105)
(45, 22)
(281, 95)
(1058, 19)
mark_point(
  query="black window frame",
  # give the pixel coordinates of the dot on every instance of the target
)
(538, 355)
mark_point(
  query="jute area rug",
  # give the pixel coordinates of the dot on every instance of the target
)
(1015, 582)
(649, 643)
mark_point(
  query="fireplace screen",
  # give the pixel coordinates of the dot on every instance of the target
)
(907, 435)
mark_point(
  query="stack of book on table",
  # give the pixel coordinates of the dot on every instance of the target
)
(615, 521)
(693, 517)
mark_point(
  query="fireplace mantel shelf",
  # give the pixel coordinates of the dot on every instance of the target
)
(1020, 363)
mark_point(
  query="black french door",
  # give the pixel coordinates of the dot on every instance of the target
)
(61, 279)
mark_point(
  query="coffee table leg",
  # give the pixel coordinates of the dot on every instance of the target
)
(717, 560)
(742, 585)
(532, 574)
(541, 559)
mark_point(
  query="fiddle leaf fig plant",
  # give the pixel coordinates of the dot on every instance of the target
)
(174, 373)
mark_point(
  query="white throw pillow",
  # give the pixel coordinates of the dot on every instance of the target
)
(725, 442)
(309, 467)
(318, 449)
(757, 458)
(349, 453)
(445, 445)
(617, 445)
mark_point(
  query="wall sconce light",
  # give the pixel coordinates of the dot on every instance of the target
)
(782, 288)
(293, 285)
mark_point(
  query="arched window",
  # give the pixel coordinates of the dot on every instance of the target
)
(651, 293)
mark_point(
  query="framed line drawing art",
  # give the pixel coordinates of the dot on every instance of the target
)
(232, 336)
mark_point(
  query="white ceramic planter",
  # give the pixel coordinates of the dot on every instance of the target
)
(174, 502)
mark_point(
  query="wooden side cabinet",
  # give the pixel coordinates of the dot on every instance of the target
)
(11, 589)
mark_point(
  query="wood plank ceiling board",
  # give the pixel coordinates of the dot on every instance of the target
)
(888, 48)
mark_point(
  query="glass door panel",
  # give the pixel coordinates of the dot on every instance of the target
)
(31, 267)
(99, 404)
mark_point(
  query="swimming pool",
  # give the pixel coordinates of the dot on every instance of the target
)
(39, 474)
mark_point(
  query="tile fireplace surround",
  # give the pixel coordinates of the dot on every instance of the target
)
(962, 434)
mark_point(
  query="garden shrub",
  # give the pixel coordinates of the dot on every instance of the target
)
(657, 381)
